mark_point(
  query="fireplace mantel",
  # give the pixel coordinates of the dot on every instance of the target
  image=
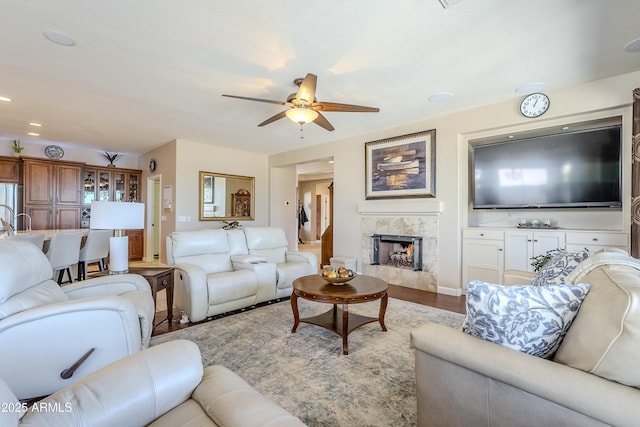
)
(400, 207)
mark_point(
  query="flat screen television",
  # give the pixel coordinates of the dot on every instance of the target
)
(570, 170)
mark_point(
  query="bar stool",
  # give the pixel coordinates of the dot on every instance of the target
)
(64, 252)
(95, 250)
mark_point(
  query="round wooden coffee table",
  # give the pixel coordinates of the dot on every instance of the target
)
(338, 319)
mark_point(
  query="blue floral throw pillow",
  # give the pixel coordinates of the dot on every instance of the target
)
(530, 319)
(556, 270)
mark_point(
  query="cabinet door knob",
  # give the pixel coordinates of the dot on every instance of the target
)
(481, 234)
(595, 239)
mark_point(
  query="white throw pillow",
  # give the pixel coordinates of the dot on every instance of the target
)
(556, 270)
(530, 319)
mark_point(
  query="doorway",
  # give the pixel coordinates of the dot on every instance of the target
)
(153, 231)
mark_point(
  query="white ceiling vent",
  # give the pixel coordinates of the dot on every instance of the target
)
(448, 3)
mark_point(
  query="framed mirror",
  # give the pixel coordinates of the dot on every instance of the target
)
(226, 197)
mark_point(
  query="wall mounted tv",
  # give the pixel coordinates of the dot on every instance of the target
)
(577, 169)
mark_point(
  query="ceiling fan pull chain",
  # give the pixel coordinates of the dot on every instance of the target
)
(301, 131)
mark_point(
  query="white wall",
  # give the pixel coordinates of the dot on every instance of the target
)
(192, 157)
(596, 99)
(72, 153)
(179, 164)
(283, 203)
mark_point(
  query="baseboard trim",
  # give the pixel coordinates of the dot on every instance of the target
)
(454, 292)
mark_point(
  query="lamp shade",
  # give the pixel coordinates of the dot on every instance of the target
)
(302, 115)
(117, 215)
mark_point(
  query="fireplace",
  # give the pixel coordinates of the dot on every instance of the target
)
(397, 251)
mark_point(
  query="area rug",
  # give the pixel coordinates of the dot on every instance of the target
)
(307, 374)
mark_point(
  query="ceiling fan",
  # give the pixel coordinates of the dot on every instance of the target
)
(303, 106)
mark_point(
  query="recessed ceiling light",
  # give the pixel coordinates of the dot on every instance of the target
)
(5, 99)
(440, 97)
(33, 134)
(633, 46)
(59, 38)
(35, 124)
(530, 88)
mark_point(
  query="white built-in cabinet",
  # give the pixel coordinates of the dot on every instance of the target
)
(483, 255)
(487, 252)
(521, 245)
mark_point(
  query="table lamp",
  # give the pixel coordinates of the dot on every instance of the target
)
(117, 216)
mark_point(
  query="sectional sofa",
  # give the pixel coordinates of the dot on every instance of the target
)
(592, 380)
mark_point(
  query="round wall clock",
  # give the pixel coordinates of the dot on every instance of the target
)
(534, 105)
(53, 152)
(152, 165)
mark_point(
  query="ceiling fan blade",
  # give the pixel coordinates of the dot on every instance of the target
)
(323, 122)
(270, 101)
(307, 90)
(334, 106)
(273, 118)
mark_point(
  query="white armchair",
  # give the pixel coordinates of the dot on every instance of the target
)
(141, 391)
(45, 329)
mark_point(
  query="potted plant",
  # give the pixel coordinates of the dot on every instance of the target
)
(111, 157)
(16, 147)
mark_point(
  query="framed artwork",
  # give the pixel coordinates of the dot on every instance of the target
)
(401, 167)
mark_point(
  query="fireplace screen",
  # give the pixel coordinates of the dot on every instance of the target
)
(397, 251)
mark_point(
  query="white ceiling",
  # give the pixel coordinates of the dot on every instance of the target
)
(146, 72)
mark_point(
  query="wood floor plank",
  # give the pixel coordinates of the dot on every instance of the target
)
(444, 302)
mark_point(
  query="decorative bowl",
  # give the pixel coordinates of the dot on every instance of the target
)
(338, 280)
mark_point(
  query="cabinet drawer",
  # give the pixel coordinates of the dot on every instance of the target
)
(482, 233)
(597, 238)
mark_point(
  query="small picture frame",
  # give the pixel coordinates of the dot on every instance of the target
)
(401, 167)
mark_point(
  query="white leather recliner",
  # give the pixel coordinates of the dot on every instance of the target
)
(45, 329)
(215, 273)
(224, 270)
(141, 391)
(271, 243)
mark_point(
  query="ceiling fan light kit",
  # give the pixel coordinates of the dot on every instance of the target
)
(303, 106)
(302, 115)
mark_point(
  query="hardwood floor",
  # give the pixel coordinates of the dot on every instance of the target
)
(444, 302)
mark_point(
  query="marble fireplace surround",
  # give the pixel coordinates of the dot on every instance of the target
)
(407, 218)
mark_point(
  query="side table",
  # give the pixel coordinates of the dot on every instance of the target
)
(159, 278)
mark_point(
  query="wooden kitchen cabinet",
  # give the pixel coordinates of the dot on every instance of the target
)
(136, 249)
(52, 195)
(112, 184)
(126, 185)
(9, 170)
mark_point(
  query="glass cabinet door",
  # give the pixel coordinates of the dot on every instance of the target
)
(89, 186)
(104, 184)
(118, 193)
(133, 188)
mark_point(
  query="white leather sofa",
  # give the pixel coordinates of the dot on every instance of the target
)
(45, 328)
(593, 379)
(224, 270)
(141, 390)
